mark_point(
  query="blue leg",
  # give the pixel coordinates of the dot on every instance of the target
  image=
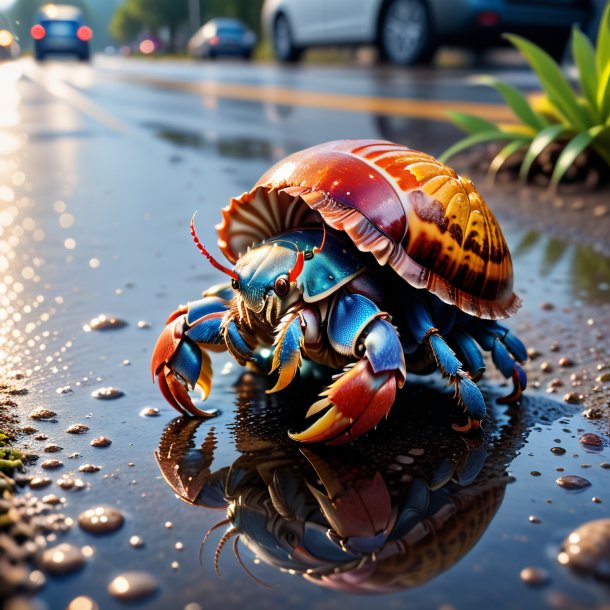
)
(424, 330)
(506, 352)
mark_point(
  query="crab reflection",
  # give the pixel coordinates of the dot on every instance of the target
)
(389, 512)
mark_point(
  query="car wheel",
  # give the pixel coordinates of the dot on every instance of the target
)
(84, 56)
(39, 56)
(283, 44)
(405, 32)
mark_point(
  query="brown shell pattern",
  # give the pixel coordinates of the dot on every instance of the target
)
(404, 206)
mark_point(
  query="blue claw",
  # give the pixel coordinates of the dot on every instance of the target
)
(187, 362)
(515, 346)
(445, 356)
(236, 343)
(383, 348)
(521, 376)
(502, 359)
(469, 353)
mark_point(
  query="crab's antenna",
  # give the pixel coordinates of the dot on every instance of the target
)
(212, 260)
(298, 266)
(225, 538)
(319, 248)
(245, 567)
(214, 527)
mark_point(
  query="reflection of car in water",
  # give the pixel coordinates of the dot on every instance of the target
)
(9, 49)
(409, 31)
(222, 36)
(61, 29)
(390, 512)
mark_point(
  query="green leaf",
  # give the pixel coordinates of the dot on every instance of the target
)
(603, 95)
(584, 56)
(601, 144)
(602, 54)
(477, 138)
(518, 103)
(573, 148)
(470, 122)
(539, 143)
(560, 94)
(500, 159)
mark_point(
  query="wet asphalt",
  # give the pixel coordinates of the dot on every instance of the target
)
(101, 169)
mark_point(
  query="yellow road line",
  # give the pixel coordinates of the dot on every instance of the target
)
(414, 108)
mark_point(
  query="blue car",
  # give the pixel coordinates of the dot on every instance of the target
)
(61, 29)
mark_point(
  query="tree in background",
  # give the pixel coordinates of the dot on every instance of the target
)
(125, 24)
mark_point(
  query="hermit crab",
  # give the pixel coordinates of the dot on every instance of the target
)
(361, 255)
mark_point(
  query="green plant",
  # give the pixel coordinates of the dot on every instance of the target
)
(577, 121)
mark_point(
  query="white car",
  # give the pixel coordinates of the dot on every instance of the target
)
(409, 31)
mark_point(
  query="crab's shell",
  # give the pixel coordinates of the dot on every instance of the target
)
(408, 209)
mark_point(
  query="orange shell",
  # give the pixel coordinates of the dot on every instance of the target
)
(404, 206)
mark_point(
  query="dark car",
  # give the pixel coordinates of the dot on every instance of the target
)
(61, 29)
(222, 36)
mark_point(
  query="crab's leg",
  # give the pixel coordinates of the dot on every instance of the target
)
(423, 329)
(507, 351)
(287, 350)
(364, 393)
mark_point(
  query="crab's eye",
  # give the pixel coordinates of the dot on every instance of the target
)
(234, 284)
(282, 286)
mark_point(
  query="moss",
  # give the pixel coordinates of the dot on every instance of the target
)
(10, 459)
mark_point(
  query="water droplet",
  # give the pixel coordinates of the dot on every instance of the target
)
(133, 585)
(104, 322)
(62, 559)
(136, 542)
(82, 602)
(108, 393)
(149, 412)
(587, 549)
(101, 520)
(101, 441)
(534, 577)
(572, 482)
(77, 429)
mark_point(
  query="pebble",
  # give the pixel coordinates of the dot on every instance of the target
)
(101, 441)
(534, 519)
(587, 549)
(535, 473)
(599, 211)
(100, 520)
(558, 450)
(40, 482)
(143, 324)
(591, 440)
(104, 322)
(133, 585)
(534, 577)
(592, 413)
(546, 367)
(51, 499)
(82, 602)
(547, 306)
(603, 378)
(565, 362)
(136, 542)
(89, 468)
(149, 412)
(108, 393)
(62, 559)
(51, 464)
(532, 353)
(77, 429)
(67, 482)
(573, 398)
(572, 482)
(52, 448)
(42, 414)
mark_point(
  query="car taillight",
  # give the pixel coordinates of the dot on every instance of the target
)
(38, 32)
(214, 40)
(84, 33)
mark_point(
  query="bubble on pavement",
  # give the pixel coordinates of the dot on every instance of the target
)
(133, 585)
(101, 520)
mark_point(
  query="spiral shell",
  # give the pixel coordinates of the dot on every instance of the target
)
(405, 207)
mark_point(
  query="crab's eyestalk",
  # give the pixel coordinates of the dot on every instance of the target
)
(319, 248)
(212, 260)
